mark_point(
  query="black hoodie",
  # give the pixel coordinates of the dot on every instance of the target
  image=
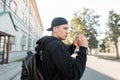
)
(57, 61)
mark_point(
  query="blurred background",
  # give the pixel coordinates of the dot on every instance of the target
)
(23, 22)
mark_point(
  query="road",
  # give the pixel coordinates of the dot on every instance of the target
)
(101, 69)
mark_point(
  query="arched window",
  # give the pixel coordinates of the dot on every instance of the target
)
(13, 6)
(8, 2)
(22, 16)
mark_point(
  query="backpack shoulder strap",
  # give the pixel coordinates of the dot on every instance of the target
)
(39, 61)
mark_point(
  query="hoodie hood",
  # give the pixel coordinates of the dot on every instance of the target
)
(41, 43)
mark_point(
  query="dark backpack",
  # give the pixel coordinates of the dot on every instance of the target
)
(32, 67)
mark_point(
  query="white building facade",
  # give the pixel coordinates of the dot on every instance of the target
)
(20, 28)
(113, 48)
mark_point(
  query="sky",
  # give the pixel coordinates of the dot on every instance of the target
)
(49, 9)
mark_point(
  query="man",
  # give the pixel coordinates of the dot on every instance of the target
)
(56, 57)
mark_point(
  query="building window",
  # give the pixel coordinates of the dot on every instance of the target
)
(22, 16)
(25, 20)
(23, 42)
(8, 2)
(13, 7)
(30, 27)
(26, 3)
(34, 44)
(29, 43)
(30, 10)
(12, 42)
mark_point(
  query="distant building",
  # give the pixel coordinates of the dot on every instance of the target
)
(20, 27)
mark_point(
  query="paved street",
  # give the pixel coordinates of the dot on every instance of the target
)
(101, 69)
(97, 69)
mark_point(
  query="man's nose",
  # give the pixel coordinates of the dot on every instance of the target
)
(67, 32)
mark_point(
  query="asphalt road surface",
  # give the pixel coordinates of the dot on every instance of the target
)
(101, 69)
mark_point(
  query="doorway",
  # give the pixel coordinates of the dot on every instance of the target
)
(4, 48)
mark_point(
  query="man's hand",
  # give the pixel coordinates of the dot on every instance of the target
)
(75, 42)
(82, 41)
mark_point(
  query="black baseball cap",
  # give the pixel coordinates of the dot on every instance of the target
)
(56, 22)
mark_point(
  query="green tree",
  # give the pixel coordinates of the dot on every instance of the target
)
(114, 29)
(85, 23)
(102, 47)
(77, 25)
(105, 46)
(93, 42)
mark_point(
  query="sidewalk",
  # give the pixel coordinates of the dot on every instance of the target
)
(10, 71)
(107, 54)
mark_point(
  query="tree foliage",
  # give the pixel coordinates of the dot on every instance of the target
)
(85, 23)
(114, 29)
(93, 42)
(105, 45)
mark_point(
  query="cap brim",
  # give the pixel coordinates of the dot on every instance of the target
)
(49, 29)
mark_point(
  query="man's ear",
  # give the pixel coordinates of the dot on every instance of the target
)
(54, 29)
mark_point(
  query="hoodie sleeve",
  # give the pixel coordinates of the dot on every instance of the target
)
(71, 49)
(69, 68)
